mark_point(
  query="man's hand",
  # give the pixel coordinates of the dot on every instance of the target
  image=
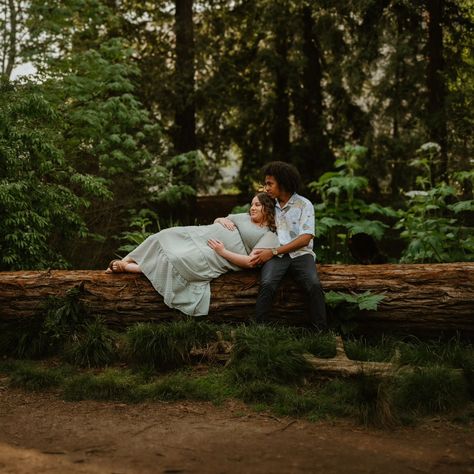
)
(260, 256)
(227, 223)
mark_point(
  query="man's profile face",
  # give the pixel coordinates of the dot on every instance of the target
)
(271, 187)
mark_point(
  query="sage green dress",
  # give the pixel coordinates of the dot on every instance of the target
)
(180, 265)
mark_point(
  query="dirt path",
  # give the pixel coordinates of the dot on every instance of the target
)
(40, 433)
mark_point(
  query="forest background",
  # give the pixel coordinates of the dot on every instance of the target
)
(135, 107)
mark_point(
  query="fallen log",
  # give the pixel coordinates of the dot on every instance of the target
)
(419, 299)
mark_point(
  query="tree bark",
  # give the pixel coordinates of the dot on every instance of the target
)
(317, 156)
(10, 47)
(281, 123)
(419, 299)
(436, 110)
(185, 118)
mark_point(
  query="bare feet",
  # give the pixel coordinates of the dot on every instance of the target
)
(117, 266)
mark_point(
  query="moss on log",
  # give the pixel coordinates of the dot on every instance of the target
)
(419, 299)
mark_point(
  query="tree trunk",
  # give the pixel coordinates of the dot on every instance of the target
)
(436, 110)
(419, 299)
(10, 46)
(317, 156)
(185, 120)
(281, 123)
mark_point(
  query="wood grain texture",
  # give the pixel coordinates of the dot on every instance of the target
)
(420, 299)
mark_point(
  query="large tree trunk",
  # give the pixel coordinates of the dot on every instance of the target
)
(436, 110)
(316, 154)
(185, 135)
(281, 123)
(420, 299)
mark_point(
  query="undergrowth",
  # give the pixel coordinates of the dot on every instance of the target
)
(267, 370)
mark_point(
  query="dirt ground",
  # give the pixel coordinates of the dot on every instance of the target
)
(39, 433)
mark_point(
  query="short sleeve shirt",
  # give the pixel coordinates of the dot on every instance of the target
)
(295, 218)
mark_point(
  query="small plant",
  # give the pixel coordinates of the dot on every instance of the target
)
(142, 225)
(94, 346)
(64, 316)
(346, 306)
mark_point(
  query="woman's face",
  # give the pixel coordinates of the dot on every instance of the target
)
(257, 211)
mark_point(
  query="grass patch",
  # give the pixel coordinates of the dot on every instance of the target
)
(267, 370)
(431, 390)
(380, 350)
(35, 377)
(450, 353)
(264, 353)
(94, 346)
(167, 346)
(112, 384)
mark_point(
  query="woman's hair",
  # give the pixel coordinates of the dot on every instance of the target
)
(286, 175)
(268, 205)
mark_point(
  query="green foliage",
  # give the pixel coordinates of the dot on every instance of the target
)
(346, 306)
(140, 224)
(41, 194)
(65, 317)
(266, 371)
(166, 346)
(37, 378)
(379, 350)
(93, 347)
(112, 384)
(431, 390)
(431, 222)
(264, 353)
(341, 213)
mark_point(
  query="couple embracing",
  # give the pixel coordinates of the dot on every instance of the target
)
(276, 234)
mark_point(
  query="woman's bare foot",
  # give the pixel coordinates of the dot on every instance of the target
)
(123, 266)
(117, 266)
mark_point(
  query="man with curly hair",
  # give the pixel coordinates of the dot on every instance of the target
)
(294, 218)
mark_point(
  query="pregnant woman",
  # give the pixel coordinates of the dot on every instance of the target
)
(180, 262)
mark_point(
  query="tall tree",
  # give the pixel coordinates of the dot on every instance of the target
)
(435, 84)
(281, 110)
(185, 118)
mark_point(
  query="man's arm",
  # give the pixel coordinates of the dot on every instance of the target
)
(260, 256)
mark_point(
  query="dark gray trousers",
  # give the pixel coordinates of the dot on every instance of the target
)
(303, 270)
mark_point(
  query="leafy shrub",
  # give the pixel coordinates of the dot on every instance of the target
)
(93, 347)
(341, 213)
(432, 222)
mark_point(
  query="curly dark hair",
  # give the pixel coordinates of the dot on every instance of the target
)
(286, 175)
(268, 205)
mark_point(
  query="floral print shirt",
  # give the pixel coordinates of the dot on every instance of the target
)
(294, 219)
